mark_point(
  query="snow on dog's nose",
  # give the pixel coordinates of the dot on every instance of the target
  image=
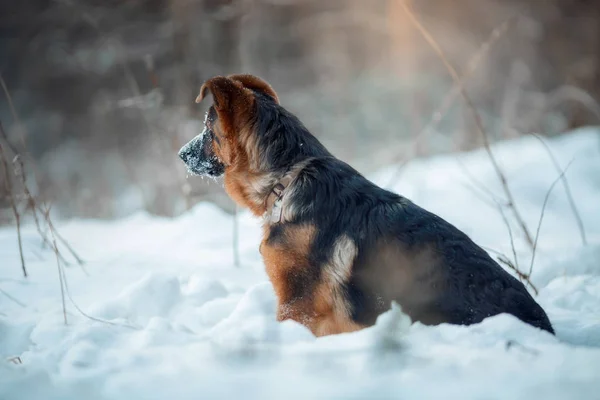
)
(186, 153)
(199, 157)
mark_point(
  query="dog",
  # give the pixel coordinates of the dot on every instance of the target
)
(337, 248)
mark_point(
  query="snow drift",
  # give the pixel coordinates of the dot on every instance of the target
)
(169, 316)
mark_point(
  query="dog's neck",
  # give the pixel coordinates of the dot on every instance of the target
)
(279, 204)
(274, 201)
(266, 194)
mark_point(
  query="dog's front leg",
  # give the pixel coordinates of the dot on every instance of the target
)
(299, 310)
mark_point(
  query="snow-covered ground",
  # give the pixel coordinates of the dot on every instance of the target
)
(179, 320)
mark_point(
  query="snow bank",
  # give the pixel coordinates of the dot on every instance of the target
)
(173, 318)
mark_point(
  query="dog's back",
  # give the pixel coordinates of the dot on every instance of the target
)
(407, 254)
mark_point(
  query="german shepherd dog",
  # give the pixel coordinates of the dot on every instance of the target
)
(337, 248)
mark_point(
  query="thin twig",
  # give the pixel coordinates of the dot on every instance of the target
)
(64, 281)
(13, 205)
(235, 244)
(537, 234)
(523, 277)
(21, 126)
(10, 297)
(86, 315)
(567, 188)
(513, 265)
(32, 203)
(53, 230)
(504, 260)
(451, 95)
(60, 276)
(14, 112)
(476, 117)
(510, 235)
(480, 184)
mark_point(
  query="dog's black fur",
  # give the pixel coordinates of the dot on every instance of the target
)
(339, 199)
(456, 280)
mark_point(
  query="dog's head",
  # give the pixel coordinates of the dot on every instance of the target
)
(228, 126)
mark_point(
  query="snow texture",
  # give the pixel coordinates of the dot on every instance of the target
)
(195, 165)
(186, 324)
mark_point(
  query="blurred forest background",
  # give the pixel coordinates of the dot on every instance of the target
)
(102, 91)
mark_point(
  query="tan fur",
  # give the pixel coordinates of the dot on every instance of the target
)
(322, 307)
(328, 320)
(285, 260)
(255, 83)
(332, 308)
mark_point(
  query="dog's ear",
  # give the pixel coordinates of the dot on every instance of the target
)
(255, 83)
(232, 101)
(225, 92)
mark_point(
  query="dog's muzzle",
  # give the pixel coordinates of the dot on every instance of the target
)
(200, 158)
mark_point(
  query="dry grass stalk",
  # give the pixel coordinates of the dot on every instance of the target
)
(67, 291)
(60, 275)
(12, 298)
(522, 276)
(32, 204)
(537, 234)
(13, 112)
(450, 97)
(477, 119)
(502, 258)
(565, 183)
(514, 265)
(13, 204)
(236, 244)
(62, 240)
(21, 127)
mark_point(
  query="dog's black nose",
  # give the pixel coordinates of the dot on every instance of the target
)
(184, 154)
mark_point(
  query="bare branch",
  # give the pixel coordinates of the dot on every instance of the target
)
(65, 290)
(14, 113)
(22, 130)
(480, 185)
(513, 265)
(31, 203)
(19, 170)
(510, 235)
(60, 275)
(537, 234)
(68, 292)
(567, 188)
(476, 117)
(10, 297)
(451, 95)
(236, 245)
(63, 241)
(11, 198)
(523, 277)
